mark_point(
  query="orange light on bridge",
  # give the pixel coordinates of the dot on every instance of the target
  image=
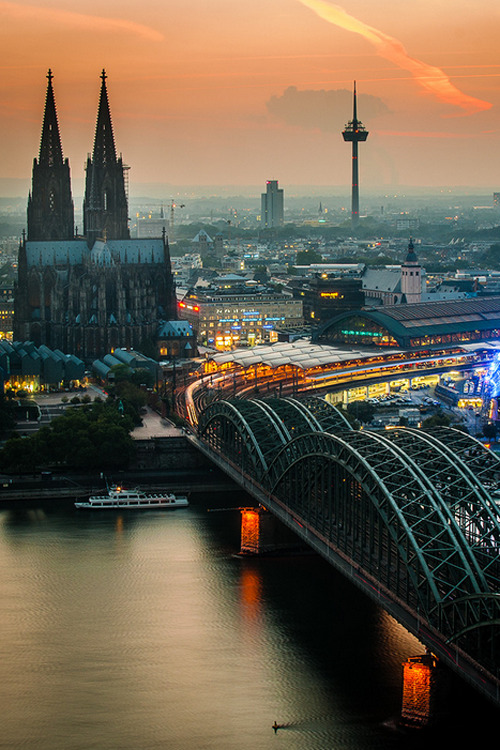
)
(250, 530)
(419, 689)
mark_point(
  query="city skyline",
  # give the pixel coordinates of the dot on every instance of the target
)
(241, 93)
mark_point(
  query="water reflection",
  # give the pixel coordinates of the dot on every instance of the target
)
(146, 631)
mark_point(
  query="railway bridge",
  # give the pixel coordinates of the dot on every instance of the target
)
(408, 515)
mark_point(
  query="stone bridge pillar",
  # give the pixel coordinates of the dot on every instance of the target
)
(423, 681)
(262, 533)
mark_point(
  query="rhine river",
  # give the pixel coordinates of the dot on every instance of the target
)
(143, 631)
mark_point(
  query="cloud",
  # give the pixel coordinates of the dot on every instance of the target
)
(430, 78)
(81, 21)
(327, 111)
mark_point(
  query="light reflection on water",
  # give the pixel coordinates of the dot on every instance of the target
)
(145, 631)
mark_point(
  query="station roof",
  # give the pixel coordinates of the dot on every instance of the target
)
(405, 321)
(301, 353)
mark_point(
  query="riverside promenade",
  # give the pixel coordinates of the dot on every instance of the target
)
(166, 460)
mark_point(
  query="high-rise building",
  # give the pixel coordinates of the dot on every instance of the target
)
(272, 205)
(87, 295)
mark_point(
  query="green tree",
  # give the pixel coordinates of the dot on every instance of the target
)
(120, 372)
(490, 430)
(439, 419)
(491, 258)
(141, 376)
(132, 399)
(305, 257)
(361, 410)
(7, 420)
(94, 436)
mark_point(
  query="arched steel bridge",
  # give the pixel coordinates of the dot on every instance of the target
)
(406, 514)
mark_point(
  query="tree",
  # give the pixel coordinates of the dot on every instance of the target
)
(120, 372)
(7, 420)
(141, 376)
(490, 430)
(20, 455)
(306, 257)
(491, 258)
(439, 419)
(95, 436)
(132, 399)
(361, 410)
(350, 418)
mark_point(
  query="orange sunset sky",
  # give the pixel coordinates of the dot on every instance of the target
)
(233, 92)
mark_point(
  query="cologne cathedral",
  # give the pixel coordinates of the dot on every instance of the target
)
(92, 293)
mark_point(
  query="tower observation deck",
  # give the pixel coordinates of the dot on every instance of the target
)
(354, 133)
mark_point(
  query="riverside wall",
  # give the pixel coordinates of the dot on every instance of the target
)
(161, 462)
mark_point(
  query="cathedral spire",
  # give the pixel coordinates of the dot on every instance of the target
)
(50, 205)
(104, 141)
(105, 206)
(50, 145)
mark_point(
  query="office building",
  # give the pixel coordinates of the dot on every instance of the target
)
(272, 205)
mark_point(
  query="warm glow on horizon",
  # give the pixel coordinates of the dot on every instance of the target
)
(231, 93)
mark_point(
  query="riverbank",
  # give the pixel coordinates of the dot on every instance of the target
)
(48, 485)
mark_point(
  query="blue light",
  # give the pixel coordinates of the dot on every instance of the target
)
(493, 377)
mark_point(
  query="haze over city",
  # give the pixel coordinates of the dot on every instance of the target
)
(234, 93)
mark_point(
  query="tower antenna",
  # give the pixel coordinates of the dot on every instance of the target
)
(354, 133)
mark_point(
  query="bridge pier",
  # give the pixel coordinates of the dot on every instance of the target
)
(423, 680)
(262, 533)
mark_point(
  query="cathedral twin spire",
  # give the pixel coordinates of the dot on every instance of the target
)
(50, 145)
(105, 209)
(50, 205)
(104, 142)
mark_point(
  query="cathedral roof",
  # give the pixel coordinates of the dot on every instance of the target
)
(133, 251)
(74, 252)
(56, 252)
(101, 254)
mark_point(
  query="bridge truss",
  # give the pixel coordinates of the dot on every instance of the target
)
(407, 512)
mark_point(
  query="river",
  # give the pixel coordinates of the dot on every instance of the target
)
(141, 631)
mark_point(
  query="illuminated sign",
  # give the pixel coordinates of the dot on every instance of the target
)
(361, 333)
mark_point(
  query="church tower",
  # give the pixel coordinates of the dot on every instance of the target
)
(411, 277)
(50, 205)
(105, 208)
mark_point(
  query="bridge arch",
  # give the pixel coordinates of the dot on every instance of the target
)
(246, 433)
(407, 509)
(472, 512)
(376, 507)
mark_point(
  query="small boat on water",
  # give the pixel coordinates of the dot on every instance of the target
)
(134, 499)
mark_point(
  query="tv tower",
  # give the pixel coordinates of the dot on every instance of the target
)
(354, 133)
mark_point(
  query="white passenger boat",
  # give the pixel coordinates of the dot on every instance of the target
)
(118, 497)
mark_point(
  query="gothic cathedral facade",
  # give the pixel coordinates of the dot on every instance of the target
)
(89, 294)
